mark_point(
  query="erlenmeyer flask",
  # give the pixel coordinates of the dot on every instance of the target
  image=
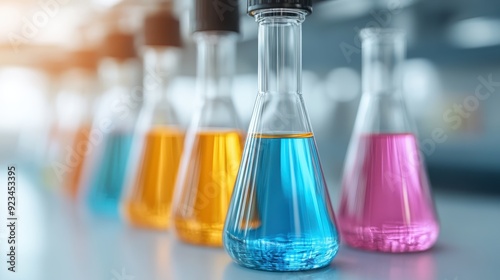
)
(85, 63)
(77, 89)
(214, 142)
(58, 131)
(159, 136)
(113, 125)
(386, 203)
(280, 217)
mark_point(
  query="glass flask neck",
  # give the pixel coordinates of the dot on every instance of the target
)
(82, 81)
(160, 66)
(383, 55)
(216, 57)
(280, 50)
(120, 73)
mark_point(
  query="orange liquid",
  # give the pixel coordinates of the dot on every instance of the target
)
(205, 183)
(151, 197)
(79, 148)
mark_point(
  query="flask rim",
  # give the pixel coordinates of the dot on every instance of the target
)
(263, 15)
(381, 34)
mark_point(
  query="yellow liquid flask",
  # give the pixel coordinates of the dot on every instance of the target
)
(159, 138)
(113, 126)
(214, 142)
(280, 218)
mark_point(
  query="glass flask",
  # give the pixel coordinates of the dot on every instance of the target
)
(280, 217)
(77, 88)
(51, 174)
(159, 137)
(86, 82)
(386, 204)
(113, 126)
(214, 141)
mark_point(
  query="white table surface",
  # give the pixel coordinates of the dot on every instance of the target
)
(57, 242)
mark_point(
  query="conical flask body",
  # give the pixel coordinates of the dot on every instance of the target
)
(74, 176)
(386, 204)
(205, 184)
(150, 198)
(281, 218)
(108, 174)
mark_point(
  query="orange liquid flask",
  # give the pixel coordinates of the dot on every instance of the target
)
(80, 145)
(73, 109)
(214, 142)
(159, 138)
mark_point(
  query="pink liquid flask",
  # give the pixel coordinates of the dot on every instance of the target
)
(386, 204)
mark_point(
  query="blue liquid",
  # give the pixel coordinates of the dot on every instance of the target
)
(108, 176)
(280, 218)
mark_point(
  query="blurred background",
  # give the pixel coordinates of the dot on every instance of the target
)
(452, 75)
(50, 55)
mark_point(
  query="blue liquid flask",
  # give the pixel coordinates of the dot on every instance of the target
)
(111, 134)
(280, 217)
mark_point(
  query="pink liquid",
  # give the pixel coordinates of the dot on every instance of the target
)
(386, 203)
